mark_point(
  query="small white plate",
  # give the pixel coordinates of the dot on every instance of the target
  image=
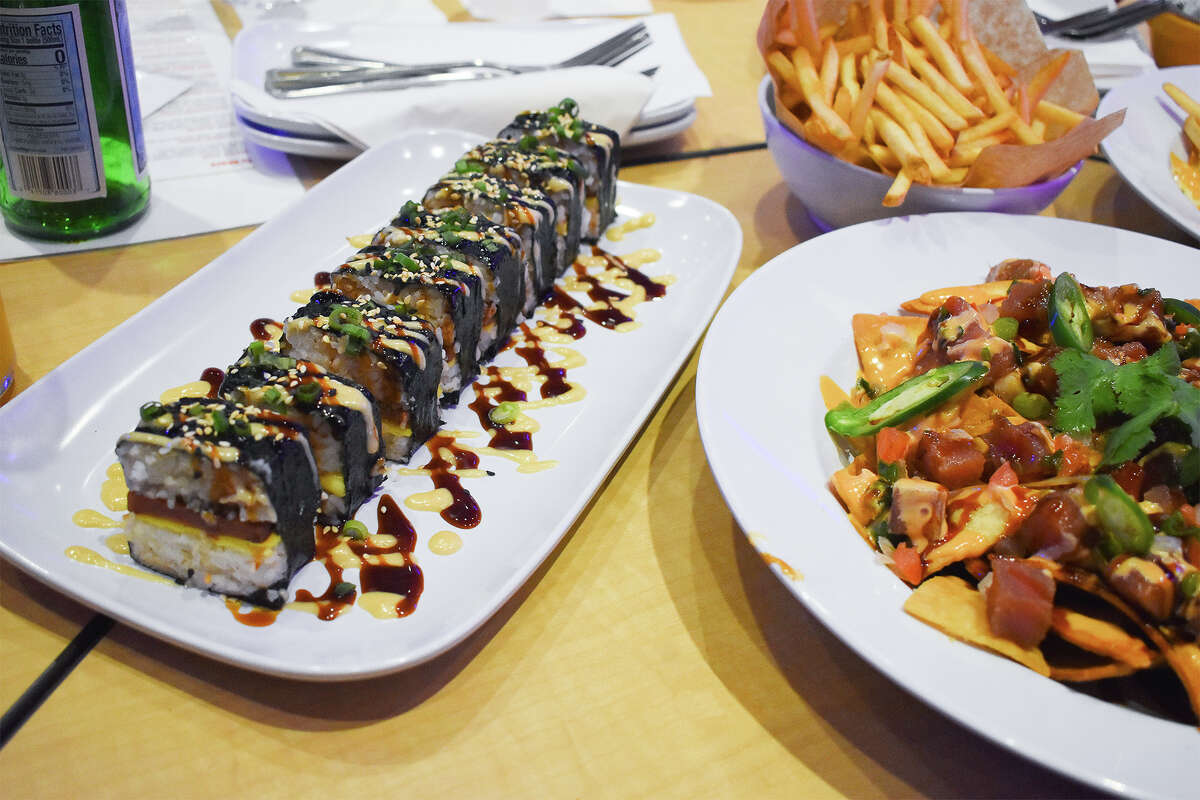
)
(268, 45)
(657, 133)
(57, 437)
(1153, 129)
(761, 421)
(338, 149)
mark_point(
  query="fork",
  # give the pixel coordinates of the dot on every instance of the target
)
(1102, 21)
(326, 72)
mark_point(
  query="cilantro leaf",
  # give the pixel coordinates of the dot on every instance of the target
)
(1127, 440)
(1079, 375)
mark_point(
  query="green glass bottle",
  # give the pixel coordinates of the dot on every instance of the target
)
(74, 163)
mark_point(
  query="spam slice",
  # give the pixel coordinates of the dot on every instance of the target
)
(418, 277)
(221, 497)
(597, 148)
(340, 416)
(493, 250)
(395, 355)
(527, 211)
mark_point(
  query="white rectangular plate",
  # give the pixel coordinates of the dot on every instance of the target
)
(57, 438)
(772, 458)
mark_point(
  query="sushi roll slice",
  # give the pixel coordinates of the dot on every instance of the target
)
(493, 250)
(596, 147)
(436, 286)
(340, 416)
(527, 211)
(396, 356)
(534, 166)
(221, 497)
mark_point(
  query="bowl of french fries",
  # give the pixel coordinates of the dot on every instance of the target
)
(879, 108)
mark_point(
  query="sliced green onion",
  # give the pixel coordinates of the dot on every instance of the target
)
(527, 142)
(569, 106)
(220, 422)
(307, 394)
(357, 338)
(409, 211)
(151, 410)
(340, 316)
(1006, 328)
(273, 398)
(256, 350)
(1190, 585)
(481, 186)
(194, 410)
(343, 589)
(355, 529)
(504, 413)
(407, 263)
(1031, 406)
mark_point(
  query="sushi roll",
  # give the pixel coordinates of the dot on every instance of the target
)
(221, 497)
(527, 211)
(340, 416)
(596, 147)
(395, 355)
(534, 166)
(493, 250)
(439, 287)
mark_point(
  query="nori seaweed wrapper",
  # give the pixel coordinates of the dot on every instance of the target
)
(306, 393)
(268, 445)
(430, 284)
(477, 240)
(598, 148)
(528, 211)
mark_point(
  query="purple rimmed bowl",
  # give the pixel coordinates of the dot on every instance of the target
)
(837, 193)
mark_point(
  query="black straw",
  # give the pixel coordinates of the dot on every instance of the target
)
(667, 157)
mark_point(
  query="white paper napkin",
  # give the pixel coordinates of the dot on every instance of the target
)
(612, 97)
(251, 11)
(1111, 59)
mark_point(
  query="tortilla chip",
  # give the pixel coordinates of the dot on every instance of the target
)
(973, 536)
(887, 347)
(1101, 637)
(1185, 660)
(977, 294)
(979, 414)
(956, 609)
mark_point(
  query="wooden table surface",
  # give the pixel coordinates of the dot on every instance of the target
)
(653, 654)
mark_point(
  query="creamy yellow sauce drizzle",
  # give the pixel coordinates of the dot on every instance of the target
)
(90, 557)
(113, 492)
(118, 544)
(616, 233)
(314, 608)
(193, 389)
(90, 518)
(302, 295)
(436, 500)
(360, 241)
(381, 605)
(445, 543)
(647, 255)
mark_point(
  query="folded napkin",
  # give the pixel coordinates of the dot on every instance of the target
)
(614, 97)
(1111, 59)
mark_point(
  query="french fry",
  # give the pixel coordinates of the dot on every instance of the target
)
(941, 53)
(780, 63)
(986, 128)
(1191, 129)
(878, 24)
(883, 157)
(848, 74)
(945, 89)
(854, 46)
(941, 138)
(978, 67)
(810, 84)
(965, 155)
(954, 175)
(926, 97)
(895, 137)
(842, 104)
(829, 71)
(1181, 98)
(855, 23)
(999, 66)
(1040, 83)
(804, 24)
(866, 98)
(898, 190)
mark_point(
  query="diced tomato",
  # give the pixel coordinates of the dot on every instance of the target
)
(1075, 459)
(891, 445)
(1189, 514)
(906, 562)
(1005, 476)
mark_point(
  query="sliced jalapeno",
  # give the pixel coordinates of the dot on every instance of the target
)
(1125, 527)
(914, 396)
(1069, 321)
(1182, 311)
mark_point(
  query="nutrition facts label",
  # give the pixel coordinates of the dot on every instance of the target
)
(51, 144)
